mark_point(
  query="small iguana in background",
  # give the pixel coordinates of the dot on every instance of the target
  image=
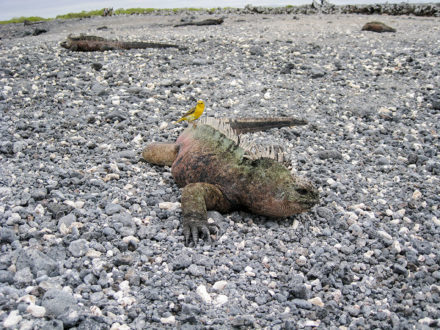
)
(217, 172)
(377, 27)
(84, 43)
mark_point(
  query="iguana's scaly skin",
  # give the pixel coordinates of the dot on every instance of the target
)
(377, 27)
(215, 174)
(84, 43)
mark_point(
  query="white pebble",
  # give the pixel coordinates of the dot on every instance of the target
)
(118, 326)
(12, 320)
(64, 229)
(316, 301)
(93, 253)
(400, 213)
(124, 286)
(36, 311)
(249, 272)
(111, 176)
(116, 100)
(30, 299)
(96, 311)
(137, 139)
(220, 300)
(436, 220)
(384, 235)
(128, 239)
(39, 209)
(389, 212)
(337, 295)
(416, 194)
(396, 247)
(426, 320)
(331, 182)
(403, 230)
(368, 254)
(201, 291)
(126, 301)
(168, 320)
(169, 205)
(352, 217)
(163, 125)
(301, 261)
(219, 285)
(310, 323)
(240, 245)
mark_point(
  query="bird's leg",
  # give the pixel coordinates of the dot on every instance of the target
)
(197, 198)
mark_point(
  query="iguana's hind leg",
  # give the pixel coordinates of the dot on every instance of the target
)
(197, 198)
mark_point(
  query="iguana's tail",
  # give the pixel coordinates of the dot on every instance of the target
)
(143, 45)
(247, 125)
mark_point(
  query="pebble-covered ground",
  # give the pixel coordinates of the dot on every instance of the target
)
(90, 235)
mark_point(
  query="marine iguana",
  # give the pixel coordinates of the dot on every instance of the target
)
(377, 27)
(216, 170)
(84, 43)
(209, 21)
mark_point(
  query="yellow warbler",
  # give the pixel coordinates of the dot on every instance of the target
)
(194, 113)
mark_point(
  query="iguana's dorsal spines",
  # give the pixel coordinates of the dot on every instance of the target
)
(222, 125)
(83, 36)
(251, 150)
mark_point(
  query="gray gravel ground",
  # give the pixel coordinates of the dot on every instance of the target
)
(90, 235)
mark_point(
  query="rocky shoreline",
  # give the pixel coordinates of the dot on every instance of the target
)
(429, 9)
(90, 235)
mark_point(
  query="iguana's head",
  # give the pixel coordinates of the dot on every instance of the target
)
(284, 194)
(67, 43)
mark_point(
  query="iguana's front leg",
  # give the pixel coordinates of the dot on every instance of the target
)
(197, 198)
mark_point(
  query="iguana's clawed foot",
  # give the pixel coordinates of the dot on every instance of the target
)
(193, 229)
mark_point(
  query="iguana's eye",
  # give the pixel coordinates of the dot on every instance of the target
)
(301, 191)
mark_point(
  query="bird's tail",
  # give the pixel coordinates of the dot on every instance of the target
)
(178, 121)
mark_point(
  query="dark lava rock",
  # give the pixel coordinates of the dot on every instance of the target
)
(58, 302)
(7, 235)
(96, 66)
(36, 261)
(329, 154)
(39, 31)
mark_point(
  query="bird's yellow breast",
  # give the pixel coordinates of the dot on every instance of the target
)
(199, 110)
